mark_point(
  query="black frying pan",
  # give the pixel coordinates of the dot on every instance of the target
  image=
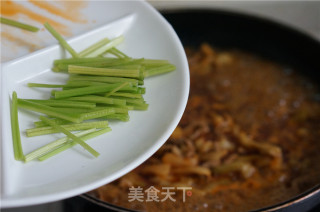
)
(257, 35)
(263, 37)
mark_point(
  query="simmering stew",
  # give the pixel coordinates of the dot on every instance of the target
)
(249, 138)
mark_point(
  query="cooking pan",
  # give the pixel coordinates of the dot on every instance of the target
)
(266, 38)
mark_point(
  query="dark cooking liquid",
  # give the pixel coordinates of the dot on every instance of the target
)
(236, 95)
(273, 104)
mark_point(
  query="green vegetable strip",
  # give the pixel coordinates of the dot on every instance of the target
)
(131, 73)
(120, 111)
(116, 53)
(74, 110)
(126, 107)
(81, 61)
(72, 143)
(92, 98)
(115, 50)
(154, 63)
(64, 67)
(18, 24)
(132, 100)
(85, 90)
(142, 90)
(62, 64)
(100, 61)
(71, 127)
(56, 120)
(98, 99)
(84, 83)
(94, 47)
(106, 62)
(63, 43)
(115, 106)
(129, 62)
(116, 63)
(115, 102)
(53, 92)
(48, 110)
(63, 103)
(56, 69)
(100, 44)
(53, 145)
(121, 117)
(111, 51)
(116, 109)
(97, 114)
(139, 107)
(75, 84)
(116, 89)
(70, 84)
(102, 79)
(39, 85)
(70, 135)
(159, 70)
(17, 147)
(127, 66)
(130, 95)
(114, 42)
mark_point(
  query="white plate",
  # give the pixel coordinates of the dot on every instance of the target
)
(74, 171)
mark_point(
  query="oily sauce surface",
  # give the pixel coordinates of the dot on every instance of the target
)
(249, 138)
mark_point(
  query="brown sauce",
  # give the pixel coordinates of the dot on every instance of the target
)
(249, 138)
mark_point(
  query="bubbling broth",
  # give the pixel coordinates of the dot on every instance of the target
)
(249, 138)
